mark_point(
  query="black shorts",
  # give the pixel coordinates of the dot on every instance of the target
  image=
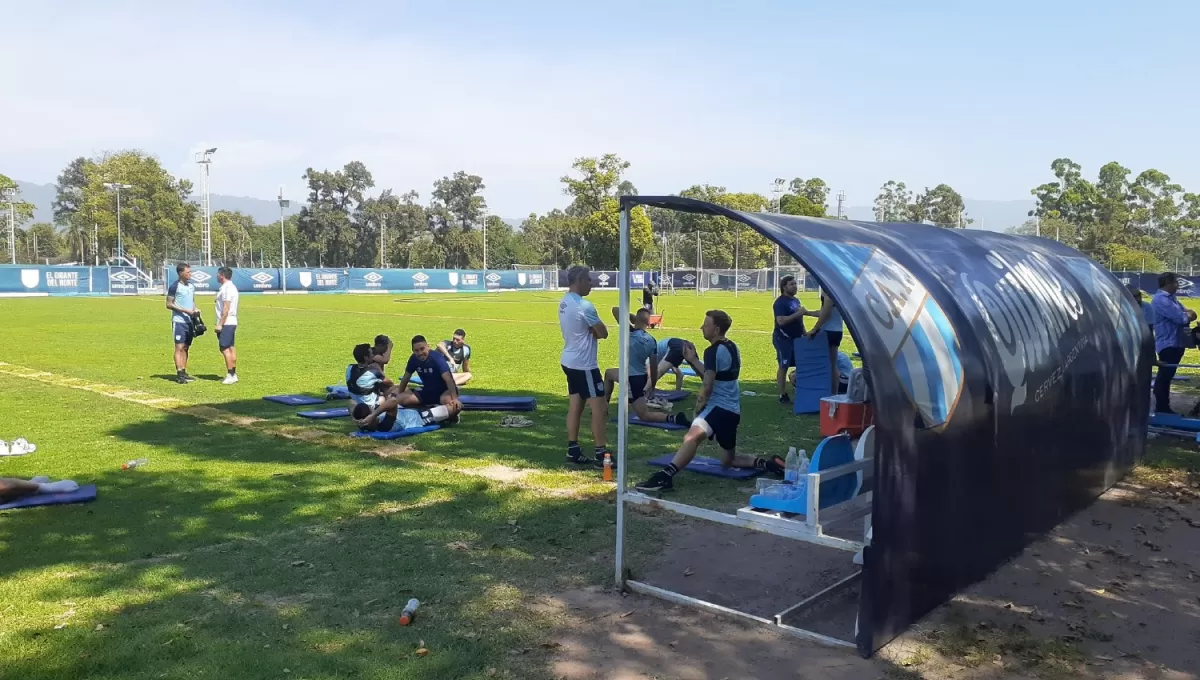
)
(674, 352)
(225, 337)
(586, 382)
(721, 426)
(835, 338)
(637, 387)
(182, 330)
(430, 397)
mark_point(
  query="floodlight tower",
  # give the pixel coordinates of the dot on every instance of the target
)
(204, 160)
(283, 204)
(777, 190)
(8, 194)
(116, 187)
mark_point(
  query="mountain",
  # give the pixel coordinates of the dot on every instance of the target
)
(264, 211)
(989, 215)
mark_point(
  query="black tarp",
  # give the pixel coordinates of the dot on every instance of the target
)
(1011, 381)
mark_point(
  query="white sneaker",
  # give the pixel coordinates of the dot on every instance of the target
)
(3, 448)
(230, 379)
(21, 446)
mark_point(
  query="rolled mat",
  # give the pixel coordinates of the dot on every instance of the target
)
(83, 494)
(479, 402)
(325, 413)
(397, 435)
(707, 466)
(294, 399)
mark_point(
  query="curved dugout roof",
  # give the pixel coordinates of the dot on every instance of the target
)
(1010, 377)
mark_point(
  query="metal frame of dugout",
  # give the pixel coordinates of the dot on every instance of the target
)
(808, 528)
(995, 354)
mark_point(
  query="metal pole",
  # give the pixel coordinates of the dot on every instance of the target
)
(283, 203)
(485, 242)
(737, 245)
(96, 242)
(697, 264)
(622, 394)
(382, 224)
(12, 230)
(120, 243)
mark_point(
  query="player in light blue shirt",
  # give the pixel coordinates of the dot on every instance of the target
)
(181, 300)
(718, 409)
(829, 323)
(643, 368)
(581, 330)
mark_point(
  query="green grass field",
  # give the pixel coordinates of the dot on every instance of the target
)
(257, 544)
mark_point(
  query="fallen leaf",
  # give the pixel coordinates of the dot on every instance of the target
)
(99, 626)
(458, 545)
(1101, 657)
(299, 563)
(60, 626)
(1098, 591)
(422, 651)
(628, 613)
(1119, 615)
(688, 571)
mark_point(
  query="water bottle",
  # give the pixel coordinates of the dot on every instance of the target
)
(410, 610)
(802, 465)
(135, 463)
(789, 465)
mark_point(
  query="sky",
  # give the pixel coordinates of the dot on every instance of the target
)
(982, 96)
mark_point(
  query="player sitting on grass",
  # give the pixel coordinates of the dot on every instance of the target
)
(670, 356)
(458, 355)
(643, 352)
(12, 489)
(718, 408)
(437, 382)
(364, 378)
(387, 416)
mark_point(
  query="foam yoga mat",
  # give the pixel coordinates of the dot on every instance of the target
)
(295, 399)
(812, 373)
(677, 395)
(337, 391)
(634, 420)
(688, 371)
(83, 494)
(476, 402)
(397, 435)
(325, 413)
(1175, 422)
(707, 466)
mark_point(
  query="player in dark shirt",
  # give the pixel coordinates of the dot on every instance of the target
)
(789, 327)
(648, 294)
(437, 382)
(458, 355)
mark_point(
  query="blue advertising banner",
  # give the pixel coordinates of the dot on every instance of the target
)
(252, 280)
(317, 279)
(441, 280)
(46, 280)
(1189, 286)
(610, 279)
(122, 280)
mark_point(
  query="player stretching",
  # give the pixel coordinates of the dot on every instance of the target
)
(643, 353)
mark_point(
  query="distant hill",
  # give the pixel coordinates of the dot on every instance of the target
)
(264, 211)
(989, 215)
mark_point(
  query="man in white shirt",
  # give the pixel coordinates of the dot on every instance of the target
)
(581, 329)
(227, 310)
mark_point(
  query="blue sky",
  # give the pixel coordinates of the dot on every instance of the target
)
(982, 97)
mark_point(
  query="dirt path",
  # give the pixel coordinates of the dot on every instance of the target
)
(1113, 592)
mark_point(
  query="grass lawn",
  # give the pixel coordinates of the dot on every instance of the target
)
(258, 544)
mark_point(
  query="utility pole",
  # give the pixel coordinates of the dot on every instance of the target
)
(117, 186)
(485, 240)
(283, 204)
(204, 160)
(841, 198)
(96, 242)
(8, 195)
(777, 190)
(382, 225)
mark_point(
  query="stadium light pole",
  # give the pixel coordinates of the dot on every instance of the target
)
(283, 204)
(117, 186)
(382, 226)
(777, 190)
(204, 160)
(485, 215)
(8, 195)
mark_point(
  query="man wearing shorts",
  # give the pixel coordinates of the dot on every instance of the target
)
(227, 320)
(581, 329)
(829, 320)
(718, 409)
(671, 353)
(387, 416)
(181, 300)
(789, 326)
(643, 359)
(437, 382)
(458, 355)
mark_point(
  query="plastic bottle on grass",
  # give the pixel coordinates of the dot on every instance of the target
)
(134, 463)
(608, 467)
(410, 610)
(789, 464)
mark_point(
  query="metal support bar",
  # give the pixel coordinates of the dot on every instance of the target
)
(816, 597)
(622, 393)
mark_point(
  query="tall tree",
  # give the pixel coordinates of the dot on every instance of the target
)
(68, 202)
(943, 206)
(455, 212)
(720, 237)
(892, 203)
(809, 197)
(599, 179)
(326, 221)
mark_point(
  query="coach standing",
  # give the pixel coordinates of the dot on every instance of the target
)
(227, 320)
(181, 300)
(789, 326)
(1171, 337)
(581, 329)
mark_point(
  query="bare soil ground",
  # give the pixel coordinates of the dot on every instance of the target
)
(1114, 592)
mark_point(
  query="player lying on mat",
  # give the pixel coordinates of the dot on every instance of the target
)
(437, 382)
(642, 356)
(458, 355)
(11, 489)
(387, 416)
(365, 379)
(670, 356)
(718, 408)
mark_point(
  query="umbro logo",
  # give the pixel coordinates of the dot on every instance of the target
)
(373, 277)
(262, 277)
(201, 277)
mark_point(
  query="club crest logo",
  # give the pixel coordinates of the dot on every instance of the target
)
(453, 278)
(520, 278)
(30, 277)
(305, 279)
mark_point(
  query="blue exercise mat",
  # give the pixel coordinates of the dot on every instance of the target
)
(478, 402)
(676, 395)
(1175, 421)
(397, 435)
(812, 373)
(325, 413)
(295, 399)
(83, 494)
(687, 370)
(634, 420)
(337, 391)
(707, 466)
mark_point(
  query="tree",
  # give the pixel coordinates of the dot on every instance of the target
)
(601, 235)
(68, 204)
(943, 206)
(456, 210)
(39, 243)
(325, 222)
(892, 203)
(719, 236)
(233, 237)
(600, 178)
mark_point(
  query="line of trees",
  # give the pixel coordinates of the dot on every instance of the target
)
(1118, 220)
